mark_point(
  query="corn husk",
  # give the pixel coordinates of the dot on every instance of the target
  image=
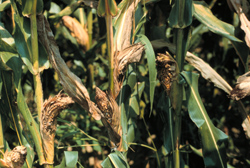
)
(77, 31)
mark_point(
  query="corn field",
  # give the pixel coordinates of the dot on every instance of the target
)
(126, 83)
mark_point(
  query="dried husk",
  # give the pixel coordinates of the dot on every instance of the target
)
(51, 109)
(77, 31)
(14, 158)
(166, 70)
(72, 85)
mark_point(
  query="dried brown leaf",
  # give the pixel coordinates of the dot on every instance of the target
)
(131, 54)
(51, 109)
(14, 158)
(70, 82)
(77, 31)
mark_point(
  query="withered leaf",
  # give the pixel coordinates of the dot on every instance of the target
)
(51, 109)
(70, 82)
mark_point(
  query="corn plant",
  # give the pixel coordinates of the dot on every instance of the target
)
(117, 83)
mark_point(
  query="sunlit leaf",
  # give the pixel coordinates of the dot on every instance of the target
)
(205, 16)
(123, 24)
(116, 160)
(212, 139)
(71, 158)
(151, 66)
(4, 5)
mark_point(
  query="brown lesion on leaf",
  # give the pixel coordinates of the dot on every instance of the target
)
(14, 158)
(51, 109)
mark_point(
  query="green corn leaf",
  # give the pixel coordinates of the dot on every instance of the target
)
(151, 66)
(181, 14)
(212, 139)
(71, 158)
(4, 5)
(107, 7)
(66, 11)
(115, 160)
(22, 38)
(126, 91)
(205, 16)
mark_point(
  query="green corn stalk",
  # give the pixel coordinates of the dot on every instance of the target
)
(108, 8)
(180, 18)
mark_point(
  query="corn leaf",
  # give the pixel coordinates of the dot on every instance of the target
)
(126, 91)
(123, 24)
(212, 139)
(116, 160)
(4, 5)
(205, 16)
(181, 15)
(11, 70)
(22, 38)
(71, 158)
(151, 66)
(107, 7)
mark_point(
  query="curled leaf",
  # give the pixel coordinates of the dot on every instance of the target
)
(51, 109)
(77, 31)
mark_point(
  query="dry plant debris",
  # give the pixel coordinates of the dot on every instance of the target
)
(14, 158)
(51, 109)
